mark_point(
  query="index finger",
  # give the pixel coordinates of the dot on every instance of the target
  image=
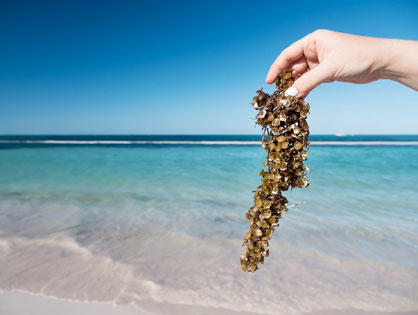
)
(287, 56)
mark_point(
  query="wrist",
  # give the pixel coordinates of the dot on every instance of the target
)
(387, 57)
(399, 62)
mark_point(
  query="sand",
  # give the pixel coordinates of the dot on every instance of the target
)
(23, 303)
(20, 303)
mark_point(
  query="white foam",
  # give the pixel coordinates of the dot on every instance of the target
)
(170, 142)
(131, 142)
(366, 143)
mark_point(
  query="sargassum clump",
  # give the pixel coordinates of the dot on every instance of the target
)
(285, 139)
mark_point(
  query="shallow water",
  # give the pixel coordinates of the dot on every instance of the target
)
(165, 223)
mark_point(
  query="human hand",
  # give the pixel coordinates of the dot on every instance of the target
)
(327, 56)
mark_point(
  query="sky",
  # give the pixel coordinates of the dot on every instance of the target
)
(183, 67)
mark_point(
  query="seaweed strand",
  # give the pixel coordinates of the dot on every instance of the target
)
(285, 139)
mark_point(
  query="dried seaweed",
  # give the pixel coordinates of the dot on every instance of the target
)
(285, 138)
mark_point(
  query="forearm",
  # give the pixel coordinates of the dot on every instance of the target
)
(400, 62)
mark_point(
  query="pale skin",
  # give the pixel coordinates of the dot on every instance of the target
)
(327, 56)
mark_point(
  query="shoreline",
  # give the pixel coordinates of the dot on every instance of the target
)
(20, 302)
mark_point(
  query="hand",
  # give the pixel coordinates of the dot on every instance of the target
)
(327, 56)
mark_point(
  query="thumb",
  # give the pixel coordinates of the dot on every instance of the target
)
(311, 79)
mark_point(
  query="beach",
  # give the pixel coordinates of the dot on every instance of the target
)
(157, 229)
(20, 303)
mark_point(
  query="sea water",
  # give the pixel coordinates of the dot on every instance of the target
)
(163, 223)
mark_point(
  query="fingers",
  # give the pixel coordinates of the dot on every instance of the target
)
(299, 67)
(294, 58)
(290, 54)
(311, 79)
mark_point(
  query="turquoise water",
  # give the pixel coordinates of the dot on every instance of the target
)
(165, 223)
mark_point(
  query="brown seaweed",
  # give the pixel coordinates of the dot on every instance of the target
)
(285, 139)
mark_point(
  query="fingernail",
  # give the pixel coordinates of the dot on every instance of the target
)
(292, 91)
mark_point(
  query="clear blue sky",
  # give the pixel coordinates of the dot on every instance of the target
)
(183, 67)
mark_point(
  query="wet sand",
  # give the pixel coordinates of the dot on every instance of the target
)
(22, 303)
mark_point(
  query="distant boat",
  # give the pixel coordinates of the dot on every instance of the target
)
(340, 134)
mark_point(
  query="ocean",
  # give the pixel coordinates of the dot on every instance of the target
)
(160, 219)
